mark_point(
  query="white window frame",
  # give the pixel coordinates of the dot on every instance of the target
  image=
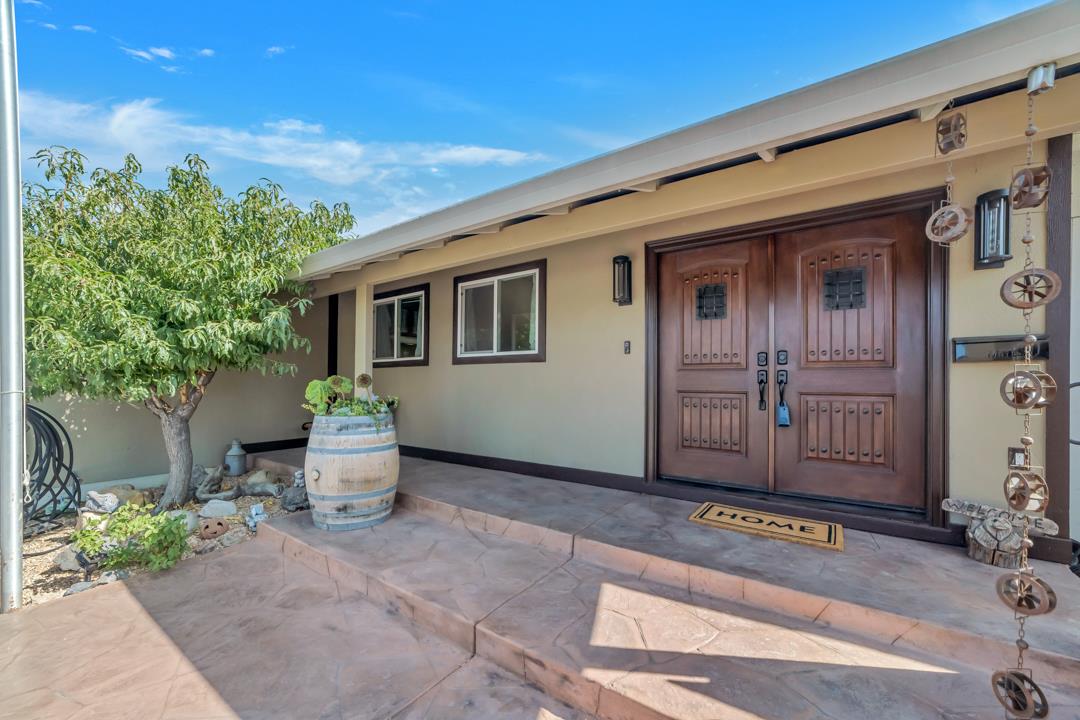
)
(494, 281)
(395, 300)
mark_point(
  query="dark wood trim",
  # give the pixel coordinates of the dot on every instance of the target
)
(424, 288)
(331, 335)
(271, 445)
(937, 340)
(541, 321)
(952, 535)
(1059, 259)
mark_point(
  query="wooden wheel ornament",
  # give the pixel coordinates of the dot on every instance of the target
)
(1026, 491)
(1028, 389)
(1029, 188)
(951, 133)
(948, 224)
(1019, 695)
(1031, 288)
(1025, 594)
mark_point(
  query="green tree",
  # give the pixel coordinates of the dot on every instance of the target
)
(142, 294)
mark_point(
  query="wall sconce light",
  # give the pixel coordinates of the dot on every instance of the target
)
(992, 229)
(621, 292)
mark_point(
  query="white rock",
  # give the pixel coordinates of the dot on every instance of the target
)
(218, 508)
(191, 518)
(101, 502)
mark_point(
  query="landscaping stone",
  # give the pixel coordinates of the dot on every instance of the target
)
(200, 546)
(86, 515)
(101, 502)
(66, 560)
(218, 508)
(190, 518)
(111, 576)
(78, 587)
(127, 494)
(295, 498)
(232, 537)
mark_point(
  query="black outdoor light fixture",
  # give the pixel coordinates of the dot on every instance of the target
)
(992, 229)
(620, 280)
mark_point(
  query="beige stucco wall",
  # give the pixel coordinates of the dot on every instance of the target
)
(115, 441)
(584, 407)
(1074, 357)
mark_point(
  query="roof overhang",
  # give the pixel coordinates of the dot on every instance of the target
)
(919, 83)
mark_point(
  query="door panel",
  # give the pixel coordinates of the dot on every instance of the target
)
(714, 315)
(851, 310)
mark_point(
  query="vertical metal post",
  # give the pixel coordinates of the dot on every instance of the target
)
(12, 360)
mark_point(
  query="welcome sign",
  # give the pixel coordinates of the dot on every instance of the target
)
(779, 527)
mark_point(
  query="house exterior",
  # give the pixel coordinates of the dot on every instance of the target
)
(777, 252)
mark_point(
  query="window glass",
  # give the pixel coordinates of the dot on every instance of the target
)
(384, 330)
(410, 327)
(517, 323)
(478, 318)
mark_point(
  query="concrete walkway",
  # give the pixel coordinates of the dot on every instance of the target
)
(245, 633)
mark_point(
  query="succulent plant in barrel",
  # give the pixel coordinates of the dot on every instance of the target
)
(332, 396)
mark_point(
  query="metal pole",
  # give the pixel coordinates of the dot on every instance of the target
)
(12, 360)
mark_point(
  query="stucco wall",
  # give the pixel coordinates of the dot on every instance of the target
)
(585, 408)
(1074, 420)
(116, 441)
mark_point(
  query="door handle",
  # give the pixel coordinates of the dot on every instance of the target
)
(783, 413)
(762, 383)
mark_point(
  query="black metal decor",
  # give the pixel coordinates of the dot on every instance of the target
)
(54, 487)
(992, 247)
(621, 290)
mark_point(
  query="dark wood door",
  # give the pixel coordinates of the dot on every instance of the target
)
(851, 313)
(714, 319)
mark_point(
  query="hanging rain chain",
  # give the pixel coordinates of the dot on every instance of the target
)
(1028, 389)
(950, 222)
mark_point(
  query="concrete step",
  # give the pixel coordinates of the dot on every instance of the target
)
(620, 646)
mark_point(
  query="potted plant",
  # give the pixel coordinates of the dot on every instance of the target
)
(351, 467)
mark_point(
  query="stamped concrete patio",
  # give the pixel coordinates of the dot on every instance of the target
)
(493, 595)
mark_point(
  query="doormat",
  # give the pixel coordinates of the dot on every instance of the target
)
(779, 527)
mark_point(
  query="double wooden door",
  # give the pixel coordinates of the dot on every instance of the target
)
(796, 363)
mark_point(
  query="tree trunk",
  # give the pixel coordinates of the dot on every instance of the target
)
(176, 429)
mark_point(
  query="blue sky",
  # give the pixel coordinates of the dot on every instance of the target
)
(403, 108)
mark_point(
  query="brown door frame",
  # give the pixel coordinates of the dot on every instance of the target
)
(934, 525)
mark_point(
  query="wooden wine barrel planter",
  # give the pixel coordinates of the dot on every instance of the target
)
(351, 471)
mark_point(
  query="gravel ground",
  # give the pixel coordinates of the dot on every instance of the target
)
(44, 581)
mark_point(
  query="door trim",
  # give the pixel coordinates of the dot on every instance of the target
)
(937, 376)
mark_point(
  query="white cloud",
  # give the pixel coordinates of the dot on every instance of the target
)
(274, 50)
(83, 28)
(171, 68)
(35, 3)
(163, 53)
(292, 125)
(205, 52)
(159, 136)
(138, 54)
(48, 26)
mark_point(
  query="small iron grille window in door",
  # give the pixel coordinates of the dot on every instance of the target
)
(844, 289)
(712, 301)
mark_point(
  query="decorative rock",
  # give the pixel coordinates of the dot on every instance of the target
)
(111, 576)
(190, 518)
(218, 508)
(127, 494)
(78, 587)
(66, 560)
(85, 516)
(101, 502)
(210, 528)
(295, 498)
(201, 547)
(232, 537)
(256, 514)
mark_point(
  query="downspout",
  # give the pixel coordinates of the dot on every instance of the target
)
(12, 382)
